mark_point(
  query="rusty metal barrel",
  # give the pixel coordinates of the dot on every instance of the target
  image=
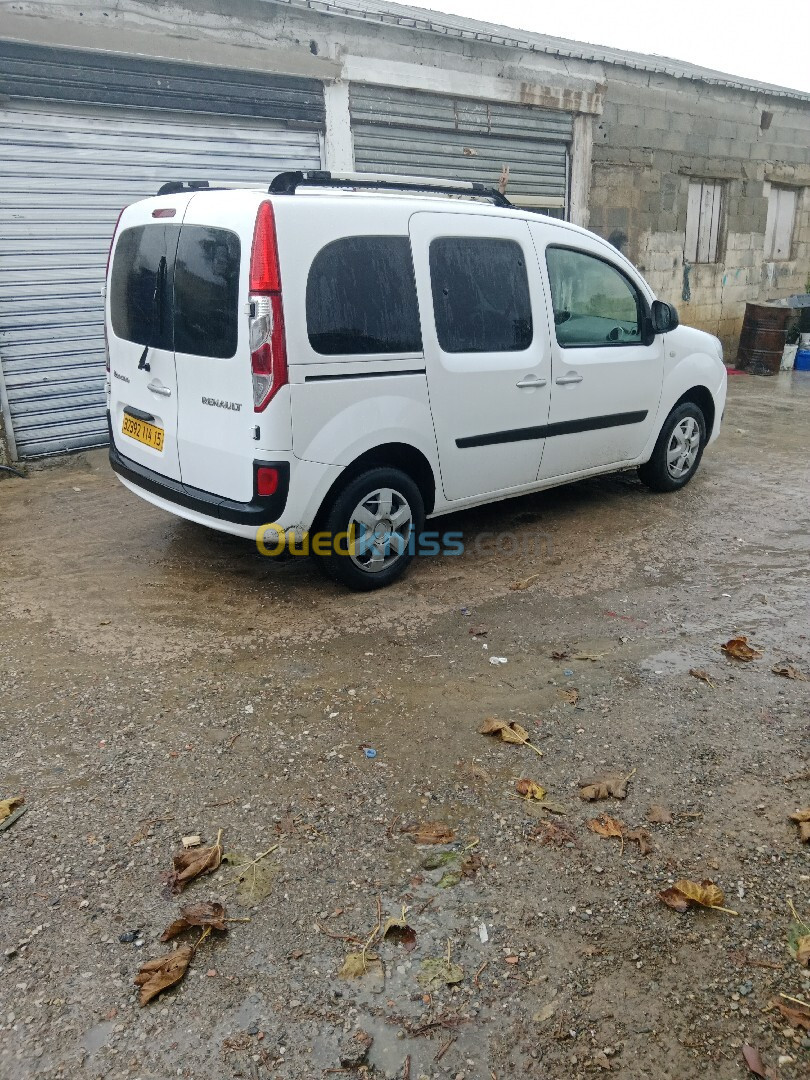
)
(762, 341)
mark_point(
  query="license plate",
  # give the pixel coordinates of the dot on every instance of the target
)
(143, 432)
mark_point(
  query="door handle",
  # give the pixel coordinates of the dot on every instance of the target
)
(566, 380)
(531, 380)
(157, 388)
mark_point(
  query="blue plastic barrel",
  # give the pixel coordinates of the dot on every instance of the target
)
(802, 362)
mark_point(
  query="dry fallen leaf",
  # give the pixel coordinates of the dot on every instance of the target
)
(797, 1013)
(545, 1013)
(508, 733)
(519, 586)
(640, 837)
(570, 695)
(659, 815)
(206, 914)
(739, 649)
(788, 671)
(358, 964)
(685, 894)
(558, 654)
(437, 973)
(8, 806)
(471, 865)
(608, 827)
(754, 1062)
(398, 931)
(699, 673)
(551, 832)
(430, 832)
(188, 865)
(803, 950)
(802, 819)
(530, 789)
(604, 786)
(166, 971)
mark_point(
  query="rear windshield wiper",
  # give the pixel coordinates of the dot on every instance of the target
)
(158, 299)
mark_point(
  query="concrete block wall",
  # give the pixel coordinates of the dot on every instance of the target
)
(656, 134)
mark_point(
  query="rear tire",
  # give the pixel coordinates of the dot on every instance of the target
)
(387, 511)
(678, 450)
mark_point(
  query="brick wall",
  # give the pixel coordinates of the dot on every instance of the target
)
(657, 133)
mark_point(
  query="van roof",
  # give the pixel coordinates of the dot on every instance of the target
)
(395, 190)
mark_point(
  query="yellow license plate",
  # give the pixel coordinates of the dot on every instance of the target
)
(143, 432)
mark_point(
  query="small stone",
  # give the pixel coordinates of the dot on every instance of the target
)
(354, 1049)
(128, 937)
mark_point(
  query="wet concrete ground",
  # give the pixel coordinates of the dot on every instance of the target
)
(159, 680)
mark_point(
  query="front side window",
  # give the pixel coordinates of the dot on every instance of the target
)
(593, 302)
(480, 292)
(361, 297)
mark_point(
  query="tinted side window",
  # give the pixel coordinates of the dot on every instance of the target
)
(141, 286)
(361, 297)
(206, 292)
(593, 302)
(480, 295)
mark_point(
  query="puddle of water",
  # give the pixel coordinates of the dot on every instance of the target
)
(96, 1036)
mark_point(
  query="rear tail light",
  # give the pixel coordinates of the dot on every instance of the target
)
(266, 480)
(268, 344)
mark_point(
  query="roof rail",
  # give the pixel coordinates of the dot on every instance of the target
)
(287, 183)
(174, 187)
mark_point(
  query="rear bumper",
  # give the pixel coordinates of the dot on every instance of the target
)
(262, 510)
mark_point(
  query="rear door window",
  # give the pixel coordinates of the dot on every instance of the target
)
(206, 292)
(177, 288)
(141, 285)
(361, 297)
(480, 295)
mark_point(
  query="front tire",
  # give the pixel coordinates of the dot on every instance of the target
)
(383, 513)
(678, 450)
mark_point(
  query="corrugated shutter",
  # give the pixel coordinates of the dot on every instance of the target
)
(409, 131)
(80, 76)
(64, 176)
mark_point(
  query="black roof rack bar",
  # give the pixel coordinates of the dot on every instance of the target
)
(174, 187)
(286, 183)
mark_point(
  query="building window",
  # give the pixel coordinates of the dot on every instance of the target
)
(593, 303)
(361, 298)
(703, 222)
(480, 295)
(779, 225)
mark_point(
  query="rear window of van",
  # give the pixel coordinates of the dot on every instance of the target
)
(177, 288)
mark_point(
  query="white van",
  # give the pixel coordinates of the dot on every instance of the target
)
(354, 354)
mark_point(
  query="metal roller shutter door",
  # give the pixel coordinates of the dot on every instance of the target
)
(64, 176)
(409, 131)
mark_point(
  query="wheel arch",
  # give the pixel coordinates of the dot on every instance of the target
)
(394, 455)
(704, 399)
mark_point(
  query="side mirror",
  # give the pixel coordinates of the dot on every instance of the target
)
(663, 316)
